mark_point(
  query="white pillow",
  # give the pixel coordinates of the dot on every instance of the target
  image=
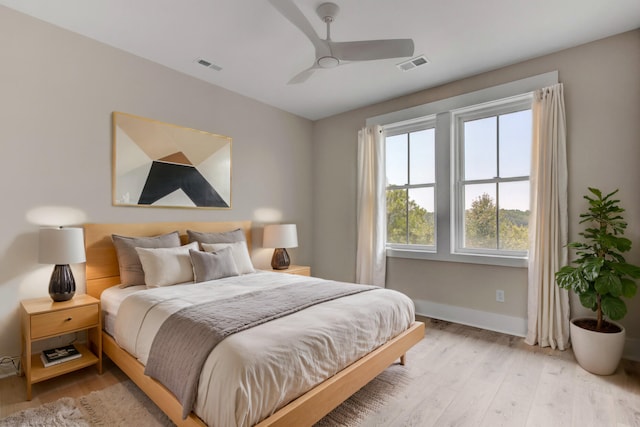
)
(166, 266)
(239, 251)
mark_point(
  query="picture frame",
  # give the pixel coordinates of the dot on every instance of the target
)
(157, 164)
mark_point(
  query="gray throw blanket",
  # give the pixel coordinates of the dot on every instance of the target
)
(186, 338)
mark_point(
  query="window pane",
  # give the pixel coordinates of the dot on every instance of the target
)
(480, 145)
(397, 159)
(514, 216)
(421, 216)
(515, 144)
(480, 222)
(397, 216)
(423, 163)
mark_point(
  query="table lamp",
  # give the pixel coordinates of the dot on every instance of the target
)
(280, 237)
(61, 246)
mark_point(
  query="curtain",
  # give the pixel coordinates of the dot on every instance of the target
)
(372, 223)
(548, 305)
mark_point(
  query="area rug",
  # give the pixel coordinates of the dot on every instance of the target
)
(124, 404)
(61, 413)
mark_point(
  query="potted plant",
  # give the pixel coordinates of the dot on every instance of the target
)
(600, 277)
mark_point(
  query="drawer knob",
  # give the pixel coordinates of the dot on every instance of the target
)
(68, 319)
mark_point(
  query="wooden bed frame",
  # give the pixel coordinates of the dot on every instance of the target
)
(102, 272)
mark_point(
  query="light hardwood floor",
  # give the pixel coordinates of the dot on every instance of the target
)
(460, 376)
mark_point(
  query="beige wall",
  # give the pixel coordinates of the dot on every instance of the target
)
(602, 95)
(57, 93)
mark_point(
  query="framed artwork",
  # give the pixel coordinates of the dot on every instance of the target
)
(158, 164)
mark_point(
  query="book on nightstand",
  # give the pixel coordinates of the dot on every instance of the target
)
(57, 355)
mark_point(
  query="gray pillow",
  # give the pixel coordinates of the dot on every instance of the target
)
(212, 265)
(131, 272)
(224, 237)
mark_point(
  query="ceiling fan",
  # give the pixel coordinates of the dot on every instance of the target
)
(330, 54)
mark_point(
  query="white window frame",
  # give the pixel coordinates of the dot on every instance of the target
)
(458, 118)
(422, 123)
(444, 176)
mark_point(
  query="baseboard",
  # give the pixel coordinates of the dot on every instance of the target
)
(497, 322)
(467, 316)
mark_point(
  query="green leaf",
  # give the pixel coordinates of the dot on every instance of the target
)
(608, 283)
(577, 245)
(597, 192)
(622, 244)
(613, 307)
(571, 278)
(611, 194)
(591, 268)
(626, 269)
(618, 258)
(589, 299)
(629, 288)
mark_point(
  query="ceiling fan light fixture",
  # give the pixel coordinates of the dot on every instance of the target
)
(328, 62)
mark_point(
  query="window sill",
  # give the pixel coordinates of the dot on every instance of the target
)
(465, 258)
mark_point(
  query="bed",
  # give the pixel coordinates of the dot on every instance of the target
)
(308, 404)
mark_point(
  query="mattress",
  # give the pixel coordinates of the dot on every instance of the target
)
(251, 374)
(110, 303)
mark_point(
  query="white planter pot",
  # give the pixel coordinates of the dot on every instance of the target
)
(597, 352)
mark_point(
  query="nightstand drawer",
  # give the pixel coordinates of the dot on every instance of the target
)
(61, 321)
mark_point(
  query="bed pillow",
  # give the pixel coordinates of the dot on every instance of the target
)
(167, 266)
(224, 237)
(238, 250)
(131, 272)
(213, 265)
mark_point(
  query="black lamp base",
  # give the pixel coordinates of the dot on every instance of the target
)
(62, 286)
(280, 259)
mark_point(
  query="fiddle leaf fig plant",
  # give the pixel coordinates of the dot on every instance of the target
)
(600, 275)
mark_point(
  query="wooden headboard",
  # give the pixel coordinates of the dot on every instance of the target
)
(102, 270)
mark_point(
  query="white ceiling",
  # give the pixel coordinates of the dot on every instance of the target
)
(259, 51)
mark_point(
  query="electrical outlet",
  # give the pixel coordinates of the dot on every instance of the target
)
(499, 295)
(9, 366)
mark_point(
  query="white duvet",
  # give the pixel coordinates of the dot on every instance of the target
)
(251, 374)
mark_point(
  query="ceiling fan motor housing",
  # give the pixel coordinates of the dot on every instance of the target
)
(327, 11)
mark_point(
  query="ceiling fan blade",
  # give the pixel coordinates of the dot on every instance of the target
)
(290, 11)
(372, 49)
(302, 76)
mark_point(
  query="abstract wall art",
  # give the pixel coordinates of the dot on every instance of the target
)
(158, 164)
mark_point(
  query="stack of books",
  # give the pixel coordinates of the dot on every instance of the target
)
(58, 355)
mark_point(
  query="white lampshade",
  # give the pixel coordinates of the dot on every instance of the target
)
(61, 246)
(280, 236)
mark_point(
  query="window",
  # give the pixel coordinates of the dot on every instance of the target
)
(493, 156)
(410, 170)
(458, 183)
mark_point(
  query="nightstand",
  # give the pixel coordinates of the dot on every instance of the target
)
(43, 318)
(301, 270)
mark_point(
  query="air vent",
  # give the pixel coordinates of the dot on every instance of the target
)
(207, 64)
(413, 63)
